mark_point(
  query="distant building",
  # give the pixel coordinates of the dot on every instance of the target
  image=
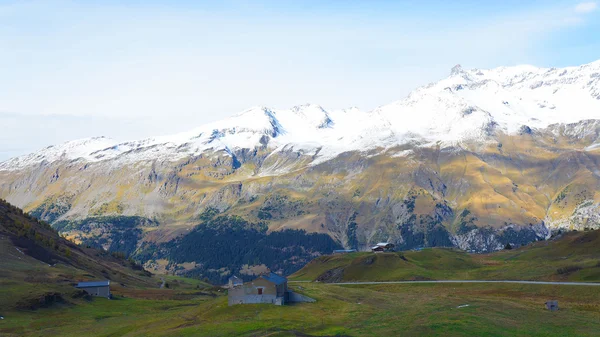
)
(344, 251)
(234, 281)
(268, 288)
(383, 247)
(96, 288)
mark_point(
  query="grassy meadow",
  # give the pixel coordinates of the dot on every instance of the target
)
(574, 257)
(389, 310)
(38, 299)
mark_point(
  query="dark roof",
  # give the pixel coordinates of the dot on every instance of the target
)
(93, 284)
(274, 278)
(235, 280)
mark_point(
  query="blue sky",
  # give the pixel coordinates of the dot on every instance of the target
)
(132, 69)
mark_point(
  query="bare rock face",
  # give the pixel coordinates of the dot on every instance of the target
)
(489, 240)
(585, 216)
(456, 70)
(525, 130)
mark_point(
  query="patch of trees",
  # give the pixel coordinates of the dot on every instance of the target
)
(123, 236)
(466, 222)
(516, 238)
(351, 232)
(37, 237)
(568, 269)
(562, 195)
(224, 244)
(122, 241)
(424, 231)
(118, 221)
(50, 211)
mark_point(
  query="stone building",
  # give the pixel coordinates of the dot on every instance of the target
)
(383, 247)
(234, 281)
(268, 288)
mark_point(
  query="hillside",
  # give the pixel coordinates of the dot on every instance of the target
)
(38, 267)
(569, 257)
(459, 309)
(512, 154)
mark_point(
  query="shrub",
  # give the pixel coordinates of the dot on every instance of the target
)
(568, 269)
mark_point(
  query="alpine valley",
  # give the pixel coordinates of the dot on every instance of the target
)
(478, 160)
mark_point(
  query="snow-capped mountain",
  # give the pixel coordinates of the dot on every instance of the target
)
(477, 160)
(468, 105)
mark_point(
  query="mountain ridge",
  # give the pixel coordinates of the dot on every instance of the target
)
(494, 176)
(467, 105)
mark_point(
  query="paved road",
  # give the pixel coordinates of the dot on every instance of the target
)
(463, 281)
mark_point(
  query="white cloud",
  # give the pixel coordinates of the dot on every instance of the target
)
(586, 7)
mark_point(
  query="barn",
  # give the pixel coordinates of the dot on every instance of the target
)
(383, 247)
(96, 288)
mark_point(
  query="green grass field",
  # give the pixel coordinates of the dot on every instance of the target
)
(573, 257)
(389, 310)
(193, 308)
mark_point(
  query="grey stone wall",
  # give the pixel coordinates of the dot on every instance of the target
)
(297, 298)
(237, 295)
(98, 291)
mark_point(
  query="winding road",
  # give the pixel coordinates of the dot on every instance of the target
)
(460, 281)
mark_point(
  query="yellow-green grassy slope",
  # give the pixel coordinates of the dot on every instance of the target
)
(366, 310)
(572, 257)
(35, 262)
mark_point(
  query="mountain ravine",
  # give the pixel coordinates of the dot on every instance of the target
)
(160, 201)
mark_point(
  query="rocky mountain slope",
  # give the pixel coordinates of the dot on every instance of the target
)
(476, 160)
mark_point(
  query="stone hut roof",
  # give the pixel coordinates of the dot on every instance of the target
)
(274, 278)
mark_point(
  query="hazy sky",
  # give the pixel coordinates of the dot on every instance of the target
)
(134, 69)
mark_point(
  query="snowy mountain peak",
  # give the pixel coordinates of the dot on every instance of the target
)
(468, 105)
(456, 70)
(307, 106)
(257, 119)
(314, 115)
